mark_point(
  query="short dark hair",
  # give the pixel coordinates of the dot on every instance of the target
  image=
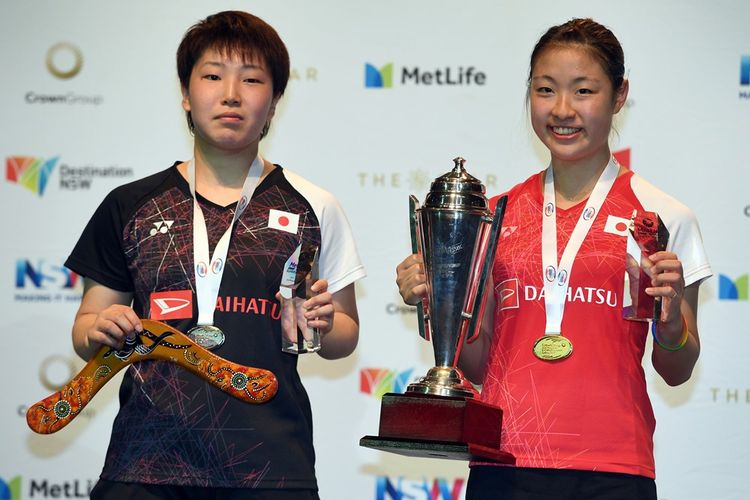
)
(235, 32)
(594, 37)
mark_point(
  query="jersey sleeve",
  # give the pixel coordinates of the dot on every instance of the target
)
(339, 261)
(98, 254)
(685, 237)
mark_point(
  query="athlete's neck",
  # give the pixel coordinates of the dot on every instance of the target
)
(220, 179)
(574, 181)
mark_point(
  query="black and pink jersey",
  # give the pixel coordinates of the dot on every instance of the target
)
(172, 427)
(591, 410)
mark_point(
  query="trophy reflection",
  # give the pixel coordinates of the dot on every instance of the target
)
(646, 234)
(456, 235)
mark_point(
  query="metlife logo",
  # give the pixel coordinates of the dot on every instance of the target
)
(388, 75)
(16, 488)
(734, 289)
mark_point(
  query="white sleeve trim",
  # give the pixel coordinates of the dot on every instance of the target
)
(339, 262)
(685, 238)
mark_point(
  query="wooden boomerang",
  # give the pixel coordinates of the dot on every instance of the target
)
(156, 341)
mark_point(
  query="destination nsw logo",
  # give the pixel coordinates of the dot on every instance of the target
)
(34, 173)
(30, 172)
(400, 489)
(733, 290)
(383, 77)
(378, 381)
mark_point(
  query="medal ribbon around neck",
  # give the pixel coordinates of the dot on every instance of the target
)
(556, 277)
(209, 269)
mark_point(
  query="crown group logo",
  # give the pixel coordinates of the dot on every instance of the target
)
(400, 488)
(64, 60)
(378, 381)
(733, 289)
(451, 76)
(30, 172)
(745, 77)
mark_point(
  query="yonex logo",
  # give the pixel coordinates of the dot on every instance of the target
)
(30, 172)
(162, 227)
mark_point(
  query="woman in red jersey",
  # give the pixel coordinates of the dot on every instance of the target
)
(579, 422)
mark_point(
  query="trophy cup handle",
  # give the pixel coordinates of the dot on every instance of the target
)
(477, 308)
(416, 247)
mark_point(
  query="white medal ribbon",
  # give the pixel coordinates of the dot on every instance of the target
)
(209, 269)
(556, 277)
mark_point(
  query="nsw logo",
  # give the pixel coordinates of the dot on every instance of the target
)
(30, 172)
(378, 78)
(378, 381)
(400, 488)
(733, 290)
(176, 304)
(44, 275)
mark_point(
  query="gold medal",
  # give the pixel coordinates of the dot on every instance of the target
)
(553, 348)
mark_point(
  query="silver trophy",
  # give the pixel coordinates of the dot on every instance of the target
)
(439, 416)
(456, 234)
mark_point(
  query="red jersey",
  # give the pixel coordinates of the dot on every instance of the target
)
(590, 411)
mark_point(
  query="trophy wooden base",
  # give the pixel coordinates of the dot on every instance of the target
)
(425, 425)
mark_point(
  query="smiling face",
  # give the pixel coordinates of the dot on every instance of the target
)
(572, 104)
(230, 101)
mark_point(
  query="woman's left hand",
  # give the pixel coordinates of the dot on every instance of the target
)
(319, 308)
(668, 282)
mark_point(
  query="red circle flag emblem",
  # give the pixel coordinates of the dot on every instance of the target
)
(283, 221)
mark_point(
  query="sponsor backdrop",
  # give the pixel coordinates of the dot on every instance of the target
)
(383, 95)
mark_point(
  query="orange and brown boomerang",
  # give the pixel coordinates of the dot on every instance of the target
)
(156, 341)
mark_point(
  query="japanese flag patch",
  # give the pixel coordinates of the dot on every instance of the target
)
(617, 225)
(283, 221)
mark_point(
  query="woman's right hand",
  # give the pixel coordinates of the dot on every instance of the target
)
(113, 325)
(411, 280)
